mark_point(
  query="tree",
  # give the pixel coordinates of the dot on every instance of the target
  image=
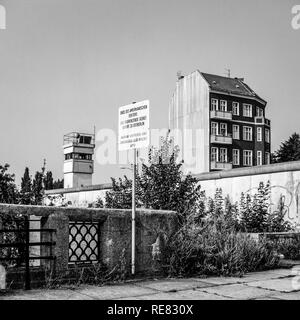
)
(8, 189)
(58, 184)
(26, 189)
(254, 210)
(288, 150)
(38, 188)
(120, 197)
(48, 181)
(160, 185)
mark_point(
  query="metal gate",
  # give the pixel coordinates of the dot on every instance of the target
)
(22, 245)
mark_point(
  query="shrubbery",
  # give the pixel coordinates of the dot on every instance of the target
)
(290, 248)
(216, 248)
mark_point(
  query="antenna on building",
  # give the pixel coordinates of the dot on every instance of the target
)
(179, 75)
(227, 72)
(44, 166)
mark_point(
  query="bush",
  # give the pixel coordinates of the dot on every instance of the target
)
(290, 248)
(215, 248)
(11, 222)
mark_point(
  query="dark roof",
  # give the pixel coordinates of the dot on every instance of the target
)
(229, 85)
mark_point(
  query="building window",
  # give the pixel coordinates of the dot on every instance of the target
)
(214, 128)
(267, 135)
(223, 105)
(79, 156)
(259, 158)
(236, 131)
(235, 108)
(259, 112)
(223, 155)
(223, 129)
(259, 134)
(247, 110)
(236, 157)
(247, 158)
(268, 161)
(214, 104)
(247, 133)
(214, 154)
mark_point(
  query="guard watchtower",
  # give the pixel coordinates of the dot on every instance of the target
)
(78, 162)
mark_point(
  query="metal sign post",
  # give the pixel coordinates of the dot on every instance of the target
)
(134, 134)
(133, 215)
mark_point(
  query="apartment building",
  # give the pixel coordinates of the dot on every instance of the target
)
(230, 119)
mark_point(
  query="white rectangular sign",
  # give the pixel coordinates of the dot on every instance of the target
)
(134, 126)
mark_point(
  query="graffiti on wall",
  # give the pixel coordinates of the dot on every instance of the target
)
(283, 199)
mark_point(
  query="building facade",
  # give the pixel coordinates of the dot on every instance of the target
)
(229, 119)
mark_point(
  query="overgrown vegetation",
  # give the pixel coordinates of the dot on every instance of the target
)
(290, 248)
(215, 248)
(12, 222)
(93, 274)
(215, 243)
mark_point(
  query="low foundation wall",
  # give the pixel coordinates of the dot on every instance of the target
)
(113, 228)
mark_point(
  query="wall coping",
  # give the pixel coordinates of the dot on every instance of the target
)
(95, 187)
(44, 211)
(250, 171)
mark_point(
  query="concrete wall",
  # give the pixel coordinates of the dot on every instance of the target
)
(114, 235)
(78, 197)
(284, 179)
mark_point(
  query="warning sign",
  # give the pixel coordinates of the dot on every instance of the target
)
(134, 126)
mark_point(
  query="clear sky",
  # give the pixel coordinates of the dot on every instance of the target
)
(67, 65)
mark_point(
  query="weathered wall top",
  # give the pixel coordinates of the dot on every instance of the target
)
(103, 186)
(250, 171)
(96, 213)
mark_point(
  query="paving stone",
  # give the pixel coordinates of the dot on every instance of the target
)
(248, 277)
(115, 291)
(267, 298)
(174, 285)
(288, 296)
(220, 280)
(282, 285)
(285, 272)
(180, 295)
(262, 275)
(238, 291)
(63, 294)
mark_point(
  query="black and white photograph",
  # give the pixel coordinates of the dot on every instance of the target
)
(149, 153)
